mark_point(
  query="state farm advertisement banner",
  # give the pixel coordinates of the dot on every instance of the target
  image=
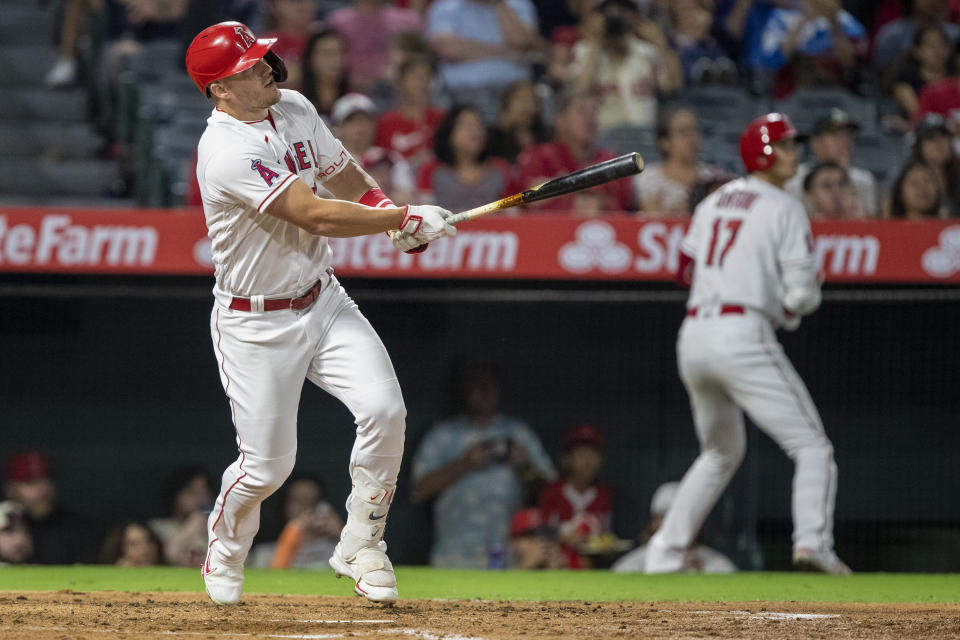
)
(536, 247)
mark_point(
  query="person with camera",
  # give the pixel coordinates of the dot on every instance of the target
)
(625, 60)
(478, 467)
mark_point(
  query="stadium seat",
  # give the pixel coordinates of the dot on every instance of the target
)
(805, 105)
(624, 139)
(721, 109)
(881, 154)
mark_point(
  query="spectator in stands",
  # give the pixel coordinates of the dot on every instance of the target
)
(324, 69)
(933, 146)
(926, 64)
(828, 193)
(354, 120)
(409, 128)
(915, 194)
(705, 60)
(664, 189)
(578, 505)
(699, 558)
(815, 45)
(477, 467)
(463, 175)
(895, 39)
(520, 124)
(483, 45)
(533, 544)
(74, 17)
(132, 23)
(59, 535)
(16, 545)
(291, 22)
(310, 532)
(574, 146)
(368, 27)
(189, 495)
(833, 140)
(943, 97)
(132, 544)
(403, 46)
(626, 61)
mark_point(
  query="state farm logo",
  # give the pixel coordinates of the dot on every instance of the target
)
(468, 251)
(943, 260)
(57, 240)
(595, 247)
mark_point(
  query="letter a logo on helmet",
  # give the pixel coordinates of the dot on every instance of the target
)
(227, 48)
(756, 141)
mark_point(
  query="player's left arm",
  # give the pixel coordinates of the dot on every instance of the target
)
(798, 264)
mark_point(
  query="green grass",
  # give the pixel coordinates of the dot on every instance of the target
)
(423, 582)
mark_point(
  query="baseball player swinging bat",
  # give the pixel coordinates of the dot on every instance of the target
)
(628, 164)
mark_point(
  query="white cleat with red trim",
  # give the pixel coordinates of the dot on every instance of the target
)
(224, 583)
(371, 571)
(819, 561)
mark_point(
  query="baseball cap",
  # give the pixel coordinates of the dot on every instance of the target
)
(834, 120)
(350, 104)
(932, 124)
(663, 498)
(583, 433)
(527, 522)
(11, 515)
(27, 467)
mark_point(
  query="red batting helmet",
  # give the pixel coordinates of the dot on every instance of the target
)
(756, 141)
(227, 48)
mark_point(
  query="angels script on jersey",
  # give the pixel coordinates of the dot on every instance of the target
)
(55, 239)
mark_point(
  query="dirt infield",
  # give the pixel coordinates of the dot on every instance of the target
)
(102, 615)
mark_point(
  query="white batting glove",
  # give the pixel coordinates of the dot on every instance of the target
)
(407, 243)
(426, 222)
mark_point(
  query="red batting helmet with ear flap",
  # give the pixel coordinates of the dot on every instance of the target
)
(756, 141)
(227, 48)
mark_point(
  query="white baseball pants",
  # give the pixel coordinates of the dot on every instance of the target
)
(264, 358)
(730, 364)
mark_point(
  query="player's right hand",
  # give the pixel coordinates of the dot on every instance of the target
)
(426, 222)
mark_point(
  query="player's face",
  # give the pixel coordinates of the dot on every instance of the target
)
(253, 88)
(786, 165)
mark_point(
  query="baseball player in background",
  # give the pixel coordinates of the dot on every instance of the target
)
(280, 315)
(749, 259)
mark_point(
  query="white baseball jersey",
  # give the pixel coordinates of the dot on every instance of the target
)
(241, 168)
(743, 237)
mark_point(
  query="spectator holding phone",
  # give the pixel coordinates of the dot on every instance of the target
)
(477, 467)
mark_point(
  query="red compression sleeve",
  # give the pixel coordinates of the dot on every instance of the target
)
(684, 275)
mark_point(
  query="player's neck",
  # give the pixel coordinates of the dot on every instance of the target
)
(769, 178)
(244, 115)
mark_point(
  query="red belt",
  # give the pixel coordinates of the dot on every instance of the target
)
(276, 304)
(724, 310)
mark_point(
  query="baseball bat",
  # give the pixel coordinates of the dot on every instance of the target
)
(628, 164)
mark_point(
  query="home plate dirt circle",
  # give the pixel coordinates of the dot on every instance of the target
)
(105, 615)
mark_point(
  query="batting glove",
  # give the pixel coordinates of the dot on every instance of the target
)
(407, 243)
(426, 222)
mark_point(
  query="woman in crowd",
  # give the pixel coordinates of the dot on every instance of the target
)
(324, 69)
(463, 175)
(408, 129)
(189, 494)
(934, 147)
(926, 63)
(915, 194)
(520, 124)
(132, 544)
(291, 23)
(664, 189)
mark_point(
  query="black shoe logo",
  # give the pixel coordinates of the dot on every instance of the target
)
(379, 517)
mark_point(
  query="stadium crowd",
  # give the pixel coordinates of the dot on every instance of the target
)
(459, 102)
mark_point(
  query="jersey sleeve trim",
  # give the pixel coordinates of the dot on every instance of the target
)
(276, 192)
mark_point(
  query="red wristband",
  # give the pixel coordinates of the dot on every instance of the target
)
(376, 198)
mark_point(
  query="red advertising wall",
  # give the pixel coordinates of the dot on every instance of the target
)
(615, 247)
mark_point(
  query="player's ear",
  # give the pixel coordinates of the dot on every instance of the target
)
(217, 91)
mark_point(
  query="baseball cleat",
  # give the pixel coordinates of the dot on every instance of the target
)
(658, 559)
(371, 572)
(820, 562)
(224, 584)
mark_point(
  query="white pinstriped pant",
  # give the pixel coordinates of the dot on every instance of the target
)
(730, 364)
(264, 358)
